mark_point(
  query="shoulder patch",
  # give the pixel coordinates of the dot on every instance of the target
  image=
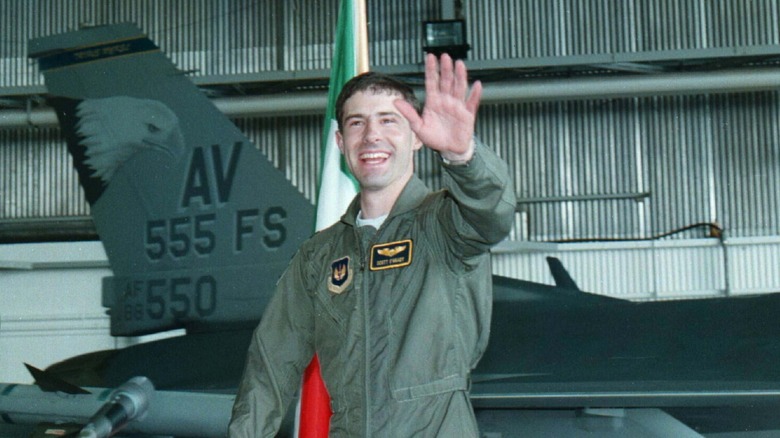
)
(391, 255)
(340, 275)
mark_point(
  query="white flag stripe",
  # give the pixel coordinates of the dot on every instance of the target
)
(337, 188)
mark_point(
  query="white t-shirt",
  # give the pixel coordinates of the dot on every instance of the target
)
(375, 222)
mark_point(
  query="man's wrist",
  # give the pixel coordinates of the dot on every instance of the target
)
(463, 159)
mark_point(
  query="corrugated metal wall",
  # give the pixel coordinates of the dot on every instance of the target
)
(217, 37)
(286, 141)
(700, 158)
(530, 28)
(37, 177)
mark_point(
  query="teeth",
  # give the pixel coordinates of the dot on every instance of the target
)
(374, 155)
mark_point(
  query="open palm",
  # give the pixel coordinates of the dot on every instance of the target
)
(447, 120)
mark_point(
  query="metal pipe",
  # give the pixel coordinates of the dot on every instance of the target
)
(40, 117)
(575, 88)
(582, 198)
(585, 88)
(170, 413)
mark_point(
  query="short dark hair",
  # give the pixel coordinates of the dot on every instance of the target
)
(375, 83)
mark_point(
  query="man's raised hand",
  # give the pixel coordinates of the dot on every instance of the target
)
(448, 117)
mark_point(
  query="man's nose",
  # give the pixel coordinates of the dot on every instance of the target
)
(372, 133)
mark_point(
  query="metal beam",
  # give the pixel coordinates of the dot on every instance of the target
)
(531, 90)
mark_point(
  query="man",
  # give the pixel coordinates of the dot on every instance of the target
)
(396, 297)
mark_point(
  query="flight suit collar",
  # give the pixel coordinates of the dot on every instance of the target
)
(411, 196)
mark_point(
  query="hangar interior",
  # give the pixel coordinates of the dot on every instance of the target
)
(642, 137)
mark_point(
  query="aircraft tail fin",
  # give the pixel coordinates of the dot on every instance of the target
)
(196, 222)
(561, 275)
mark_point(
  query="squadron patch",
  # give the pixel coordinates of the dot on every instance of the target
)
(391, 255)
(340, 275)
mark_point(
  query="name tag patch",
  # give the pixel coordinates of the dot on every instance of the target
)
(391, 255)
(340, 275)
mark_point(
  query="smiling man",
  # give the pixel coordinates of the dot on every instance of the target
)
(396, 297)
(377, 143)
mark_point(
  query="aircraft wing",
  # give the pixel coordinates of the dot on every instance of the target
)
(561, 362)
(708, 364)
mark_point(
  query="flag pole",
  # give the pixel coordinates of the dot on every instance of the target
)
(362, 36)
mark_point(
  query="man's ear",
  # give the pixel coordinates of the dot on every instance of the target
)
(416, 142)
(340, 141)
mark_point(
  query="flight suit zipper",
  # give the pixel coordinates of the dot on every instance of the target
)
(363, 245)
(366, 242)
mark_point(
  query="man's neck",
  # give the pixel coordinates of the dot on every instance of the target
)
(376, 203)
(373, 204)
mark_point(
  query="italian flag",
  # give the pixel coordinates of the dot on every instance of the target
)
(336, 189)
(350, 57)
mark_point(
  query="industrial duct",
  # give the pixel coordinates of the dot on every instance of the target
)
(574, 88)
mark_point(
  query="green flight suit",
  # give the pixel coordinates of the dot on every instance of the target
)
(398, 316)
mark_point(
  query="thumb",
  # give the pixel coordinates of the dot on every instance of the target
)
(409, 112)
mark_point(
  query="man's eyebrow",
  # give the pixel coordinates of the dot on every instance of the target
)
(379, 114)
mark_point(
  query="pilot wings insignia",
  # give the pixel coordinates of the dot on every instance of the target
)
(390, 252)
(391, 255)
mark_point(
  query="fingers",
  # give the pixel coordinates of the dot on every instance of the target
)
(409, 112)
(431, 75)
(472, 103)
(461, 80)
(447, 121)
(446, 77)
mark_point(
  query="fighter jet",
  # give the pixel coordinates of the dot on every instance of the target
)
(198, 225)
